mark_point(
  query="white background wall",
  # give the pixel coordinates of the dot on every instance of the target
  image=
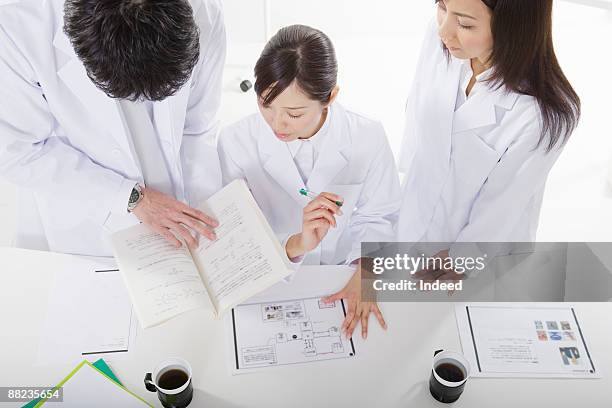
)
(377, 43)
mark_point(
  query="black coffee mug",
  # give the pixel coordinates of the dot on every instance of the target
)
(449, 374)
(171, 380)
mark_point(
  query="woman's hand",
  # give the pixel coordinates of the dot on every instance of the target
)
(442, 274)
(172, 218)
(318, 216)
(358, 310)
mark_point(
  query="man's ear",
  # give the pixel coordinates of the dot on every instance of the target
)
(333, 95)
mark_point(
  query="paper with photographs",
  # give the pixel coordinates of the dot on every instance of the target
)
(524, 340)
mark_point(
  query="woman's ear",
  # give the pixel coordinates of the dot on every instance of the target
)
(333, 95)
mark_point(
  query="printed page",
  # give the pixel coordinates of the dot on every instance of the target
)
(162, 280)
(272, 334)
(246, 257)
(536, 341)
(102, 324)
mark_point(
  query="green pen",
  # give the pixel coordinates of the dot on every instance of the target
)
(313, 195)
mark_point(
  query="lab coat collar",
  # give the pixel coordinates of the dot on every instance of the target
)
(335, 151)
(437, 94)
(107, 110)
(278, 162)
(481, 109)
(317, 139)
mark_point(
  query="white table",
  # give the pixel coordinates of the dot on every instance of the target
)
(391, 369)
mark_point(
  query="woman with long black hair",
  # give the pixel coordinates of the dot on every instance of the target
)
(487, 117)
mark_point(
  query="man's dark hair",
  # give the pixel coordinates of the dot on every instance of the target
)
(297, 53)
(134, 49)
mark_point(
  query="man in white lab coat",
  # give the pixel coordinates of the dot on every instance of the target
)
(107, 117)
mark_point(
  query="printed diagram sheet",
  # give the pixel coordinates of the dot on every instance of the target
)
(506, 340)
(287, 332)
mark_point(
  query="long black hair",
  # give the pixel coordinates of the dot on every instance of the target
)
(524, 61)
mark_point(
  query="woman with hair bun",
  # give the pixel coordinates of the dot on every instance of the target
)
(302, 140)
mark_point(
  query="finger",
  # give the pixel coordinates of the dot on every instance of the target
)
(321, 213)
(165, 232)
(435, 275)
(183, 232)
(422, 273)
(334, 297)
(198, 226)
(318, 223)
(350, 315)
(426, 271)
(352, 325)
(332, 197)
(321, 202)
(199, 215)
(379, 316)
(451, 277)
(364, 325)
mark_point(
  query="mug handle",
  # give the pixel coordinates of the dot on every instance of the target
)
(148, 382)
(437, 352)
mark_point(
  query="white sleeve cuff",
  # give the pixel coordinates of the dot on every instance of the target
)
(292, 263)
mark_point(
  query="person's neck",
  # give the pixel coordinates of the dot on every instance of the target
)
(320, 125)
(478, 67)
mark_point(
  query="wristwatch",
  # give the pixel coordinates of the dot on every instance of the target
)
(136, 196)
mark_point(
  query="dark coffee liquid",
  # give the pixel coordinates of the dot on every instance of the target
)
(450, 372)
(172, 379)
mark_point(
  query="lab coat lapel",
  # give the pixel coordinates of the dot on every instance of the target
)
(333, 156)
(481, 109)
(279, 164)
(106, 110)
(440, 93)
(169, 115)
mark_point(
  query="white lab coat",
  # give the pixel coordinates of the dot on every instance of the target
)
(473, 175)
(62, 140)
(355, 162)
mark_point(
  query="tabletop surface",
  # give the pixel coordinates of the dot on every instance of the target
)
(390, 369)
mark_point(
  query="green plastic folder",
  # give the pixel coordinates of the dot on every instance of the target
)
(100, 366)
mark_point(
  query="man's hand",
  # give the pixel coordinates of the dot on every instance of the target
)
(172, 218)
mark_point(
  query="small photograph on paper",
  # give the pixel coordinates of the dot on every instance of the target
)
(565, 326)
(542, 336)
(569, 336)
(276, 312)
(555, 335)
(552, 326)
(570, 356)
(539, 325)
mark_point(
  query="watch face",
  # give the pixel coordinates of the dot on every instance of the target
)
(134, 196)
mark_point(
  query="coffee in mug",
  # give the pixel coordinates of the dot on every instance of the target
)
(171, 380)
(449, 374)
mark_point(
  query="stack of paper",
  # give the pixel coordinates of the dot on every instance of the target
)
(89, 312)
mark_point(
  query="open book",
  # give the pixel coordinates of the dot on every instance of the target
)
(164, 281)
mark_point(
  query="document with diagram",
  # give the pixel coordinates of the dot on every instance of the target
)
(286, 332)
